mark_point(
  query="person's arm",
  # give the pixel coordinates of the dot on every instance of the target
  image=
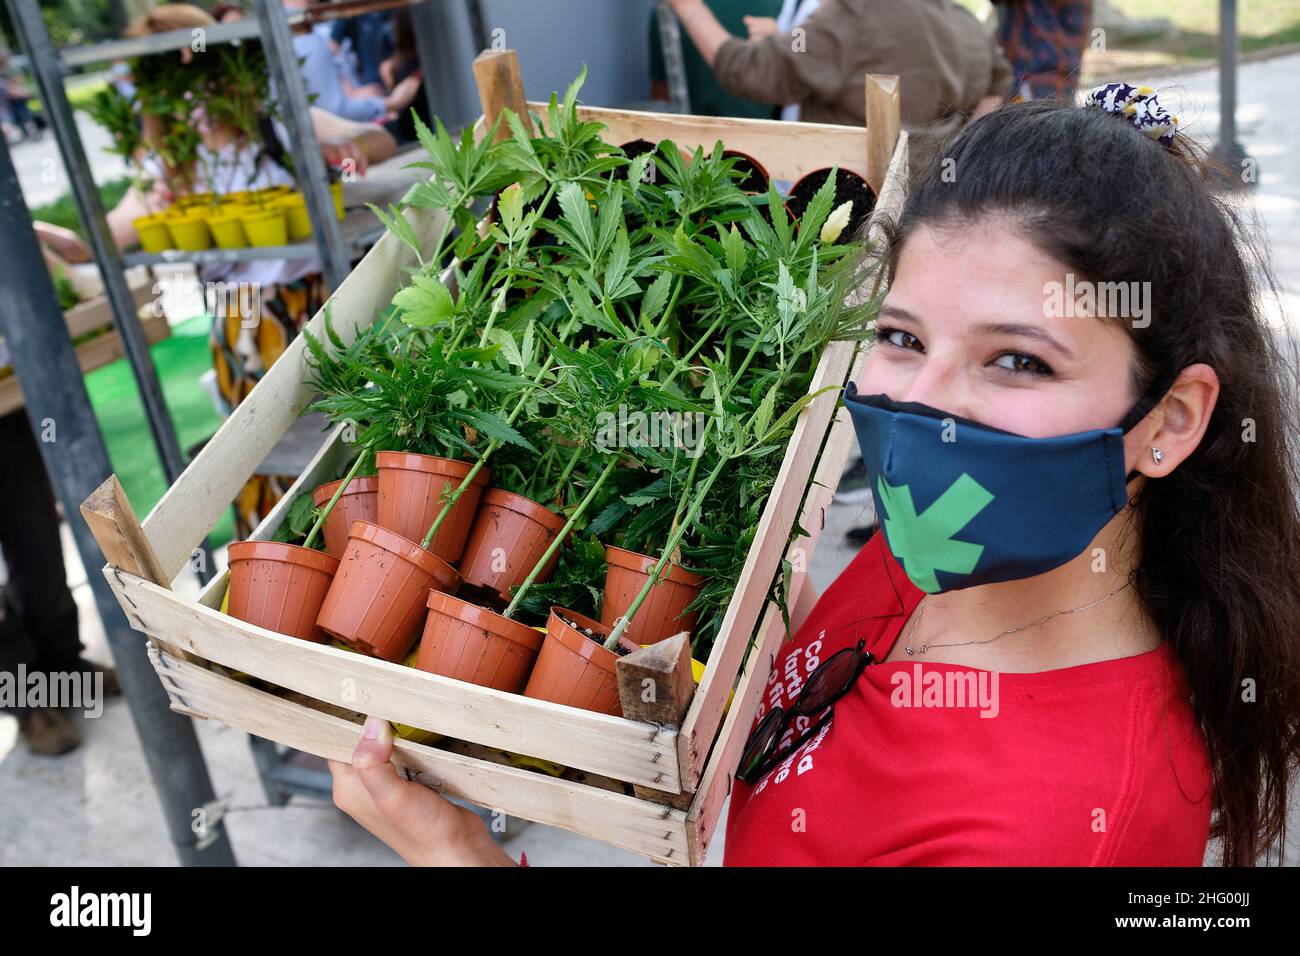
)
(776, 69)
(422, 827)
(321, 76)
(705, 31)
(340, 139)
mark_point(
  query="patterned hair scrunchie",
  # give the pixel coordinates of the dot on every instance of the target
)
(1139, 105)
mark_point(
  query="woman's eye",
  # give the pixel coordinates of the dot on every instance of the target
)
(899, 338)
(1021, 363)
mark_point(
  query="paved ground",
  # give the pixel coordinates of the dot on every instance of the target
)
(96, 806)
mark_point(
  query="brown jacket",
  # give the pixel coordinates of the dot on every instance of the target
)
(946, 60)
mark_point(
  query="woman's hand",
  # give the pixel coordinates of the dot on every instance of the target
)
(338, 152)
(760, 27)
(424, 828)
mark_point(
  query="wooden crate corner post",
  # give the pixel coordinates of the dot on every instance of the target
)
(500, 84)
(655, 685)
(884, 119)
(109, 515)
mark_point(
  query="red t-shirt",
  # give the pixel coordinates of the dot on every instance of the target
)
(1096, 765)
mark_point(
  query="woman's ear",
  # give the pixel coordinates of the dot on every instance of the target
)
(1174, 428)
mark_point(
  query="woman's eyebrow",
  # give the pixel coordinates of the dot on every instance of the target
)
(894, 312)
(1025, 329)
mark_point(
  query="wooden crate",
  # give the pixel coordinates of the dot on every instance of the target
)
(94, 353)
(652, 781)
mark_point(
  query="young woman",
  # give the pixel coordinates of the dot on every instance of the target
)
(1073, 641)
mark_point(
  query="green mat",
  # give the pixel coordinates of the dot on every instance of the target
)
(180, 360)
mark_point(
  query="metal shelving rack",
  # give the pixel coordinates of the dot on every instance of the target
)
(334, 244)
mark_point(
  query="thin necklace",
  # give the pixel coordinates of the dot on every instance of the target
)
(1011, 630)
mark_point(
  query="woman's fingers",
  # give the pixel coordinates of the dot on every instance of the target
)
(372, 764)
(423, 827)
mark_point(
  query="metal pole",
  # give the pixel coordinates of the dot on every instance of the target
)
(478, 25)
(291, 94)
(424, 26)
(670, 42)
(46, 68)
(77, 461)
(1227, 150)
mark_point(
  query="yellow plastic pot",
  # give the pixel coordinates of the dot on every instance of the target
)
(265, 226)
(336, 190)
(189, 231)
(153, 233)
(227, 230)
(195, 200)
(295, 212)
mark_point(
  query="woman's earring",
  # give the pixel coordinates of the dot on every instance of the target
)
(1157, 455)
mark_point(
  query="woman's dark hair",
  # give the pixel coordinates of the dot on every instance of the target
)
(1219, 572)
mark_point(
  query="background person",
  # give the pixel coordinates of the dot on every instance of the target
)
(1044, 40)
(950, 69)
(708, 98)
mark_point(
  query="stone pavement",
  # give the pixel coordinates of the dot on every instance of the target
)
(97, 806)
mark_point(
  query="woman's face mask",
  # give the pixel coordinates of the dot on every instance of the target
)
(963, 504)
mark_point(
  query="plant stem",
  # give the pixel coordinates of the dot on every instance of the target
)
(685, 360)
(680, 526)
(497, 306)
(674, 540)
(338, 493)
(568, 468)
(560, 538)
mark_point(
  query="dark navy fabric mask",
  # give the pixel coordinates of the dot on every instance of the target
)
(963, 504)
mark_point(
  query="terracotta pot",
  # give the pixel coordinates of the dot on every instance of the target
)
(848, 185)
(573, 669)
(410, 498)
(279, 586)
(509, 536)
(473, 644)
(660, 616)
(756, 178)
(376, 602)
(359, 503)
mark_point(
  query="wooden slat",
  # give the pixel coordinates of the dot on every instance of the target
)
(715, 783)
(97, 313)
(610, 746)
(205, 489)
(787, 150)
(646, 828)
(701, 724)
(91, 355)
(501, 85)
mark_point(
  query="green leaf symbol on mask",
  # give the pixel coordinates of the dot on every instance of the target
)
(924, 543)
